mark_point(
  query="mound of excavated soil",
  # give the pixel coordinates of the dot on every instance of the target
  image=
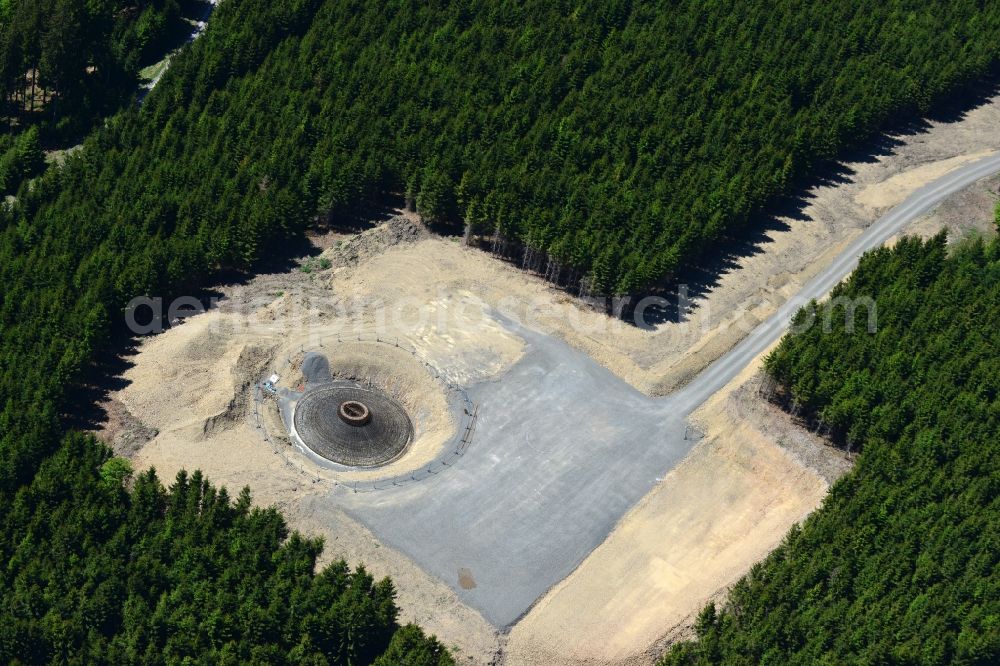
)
(248, 370)
(395, 231)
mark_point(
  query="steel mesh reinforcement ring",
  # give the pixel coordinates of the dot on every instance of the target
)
(352, 425)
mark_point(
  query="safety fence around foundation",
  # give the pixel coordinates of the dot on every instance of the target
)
(318, 470)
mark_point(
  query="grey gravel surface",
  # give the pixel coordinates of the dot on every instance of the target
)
(564, 448)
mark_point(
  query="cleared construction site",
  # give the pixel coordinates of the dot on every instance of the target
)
(544, 485)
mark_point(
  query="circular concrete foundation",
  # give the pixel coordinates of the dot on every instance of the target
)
(352, 425)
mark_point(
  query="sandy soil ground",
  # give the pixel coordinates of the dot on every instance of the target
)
(751, 477)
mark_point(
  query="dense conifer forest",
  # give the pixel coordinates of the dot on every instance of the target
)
(97, 574)
(616, 141)
(64, 64)
(899, 566)
(62, 61)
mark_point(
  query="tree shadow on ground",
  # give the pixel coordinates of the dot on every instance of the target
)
(360, 217)
(85, 408)
(181, 31)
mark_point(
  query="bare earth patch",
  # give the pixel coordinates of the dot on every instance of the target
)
(124, 433)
